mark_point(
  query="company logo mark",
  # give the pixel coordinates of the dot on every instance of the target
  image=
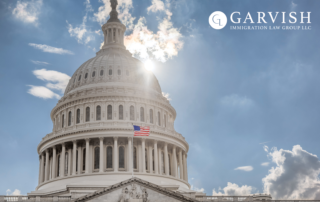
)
(218, 20)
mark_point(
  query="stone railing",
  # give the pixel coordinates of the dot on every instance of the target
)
(35, 198)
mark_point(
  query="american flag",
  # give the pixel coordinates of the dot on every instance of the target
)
(141, 131)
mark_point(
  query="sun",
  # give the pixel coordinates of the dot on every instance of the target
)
(149, 65)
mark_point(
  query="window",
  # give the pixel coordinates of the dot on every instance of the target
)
(87, 114)
(86, 76)
(58, 169)
(101, 72)
(98, 113)
(169, 164)
(132, 113)
(121, 157)
(120, 112)
(79, 78)
(69, 119)
(127, 72)
(109, 157)
(93, 73)
(62, 120)
(119, 72)
(84, 159)
(165, 121)
(66, 164)
(135, 158)
(109, 112)
(151, 116)
(96, 157)
(146, 158)
(162, 161)
(159, 119)
(77, 161)
(78, 115)
(110, 71)
(142, 114)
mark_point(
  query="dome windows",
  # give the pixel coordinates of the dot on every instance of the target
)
(101, 72)
(86, 76)
(98, 113)
(93, 73)
(120, 112)
(79, 78)
(119, 72)
(110, 71)
(87, 114)
(109, 157)
(109, 112)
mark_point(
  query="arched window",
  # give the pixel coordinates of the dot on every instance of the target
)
(69, 119)
(93, 73)
(109, 112)
(66, 164)
(84, 159)
(87, 114)
(120, 112)
(146, 158)
(109, 157)
(101, 72)
(159, 119)
(77, 158)
(96, 157)
(119, 72)
(98, 113)
(151, 116)
(142, 114)
(153, 159)
(79, 78)
(121, 157)
(86, 76)
(78, 115)
(110, 71)
(62, 120)
(132, 113)
(127, 72)
(169, 159)
(135, 158)
(162, 161)
(165, 121)
(58, 168)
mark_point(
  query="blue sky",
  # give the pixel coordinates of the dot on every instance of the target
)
(238, 94)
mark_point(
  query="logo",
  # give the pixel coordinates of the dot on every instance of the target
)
(218, 20)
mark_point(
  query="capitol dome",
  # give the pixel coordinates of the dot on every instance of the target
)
(92, 145)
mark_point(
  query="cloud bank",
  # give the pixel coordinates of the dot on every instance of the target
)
(27, 11)
(50, 49)
(233, 189)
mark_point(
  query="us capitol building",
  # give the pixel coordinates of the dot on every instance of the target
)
(91, 154)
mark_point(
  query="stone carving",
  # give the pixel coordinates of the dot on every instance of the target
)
(136, 194)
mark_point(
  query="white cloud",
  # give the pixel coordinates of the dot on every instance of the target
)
(50, 49)
(60, 80)
(266, 148)
(244, 168)
(197, 189)
(16, 192)
(265, 163)
(233, 189)
(42, 92)
(295, 176)
(166, 95)
(8, 191)
(235, 100)
(27, 11)
(293, 5)
(39, 62)
(157, 5)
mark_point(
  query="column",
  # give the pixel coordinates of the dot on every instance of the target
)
(46, 172)
(112, 38)
(185, 167)
(160, 161)
(40, 167)
(79, 160)
(174, 161)
(115, 152)
(74, 158)
(62, 160)
(180, 164)
(130, 153)
(150, 159)
(166, 158)
(54, 160)
(87, 154)
(143, 144)
(101, 160)
(155, 148)
(69, 161)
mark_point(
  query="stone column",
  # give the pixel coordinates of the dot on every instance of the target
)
(166, 159)
(115, 152)
(160, 162)
(130, 153)
(155, 149)
(69, 161)
(150, 159)
(46, 172)
(41, 167)
(112, 33)
(180, 164)
(54, 160)
(80, 163)
(87, 154)
(62, 160)
(143, 144)
(185, 167)
(101, 160)
(74, 158)
(174, 161)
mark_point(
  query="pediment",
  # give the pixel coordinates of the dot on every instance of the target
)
(135, 190)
